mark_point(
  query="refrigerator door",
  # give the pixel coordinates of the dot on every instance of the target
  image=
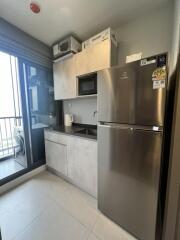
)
(128, 177)
(126, 95)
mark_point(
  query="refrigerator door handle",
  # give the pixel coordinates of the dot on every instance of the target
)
(120, 126)
(131, 127)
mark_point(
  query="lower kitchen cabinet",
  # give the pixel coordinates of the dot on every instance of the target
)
(56, 156)
(82, 164)
(73, 157)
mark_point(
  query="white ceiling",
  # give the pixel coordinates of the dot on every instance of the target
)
(84, 18)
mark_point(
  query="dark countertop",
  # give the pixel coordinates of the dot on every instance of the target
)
(74, 130)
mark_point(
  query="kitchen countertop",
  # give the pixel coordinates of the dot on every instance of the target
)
(74, 130)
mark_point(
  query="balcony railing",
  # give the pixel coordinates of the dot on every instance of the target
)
(9, 127)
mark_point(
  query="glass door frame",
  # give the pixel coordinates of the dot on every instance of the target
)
(25, 111)
(26, 121)
(24, 69)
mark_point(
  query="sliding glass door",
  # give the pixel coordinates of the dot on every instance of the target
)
(26, 108)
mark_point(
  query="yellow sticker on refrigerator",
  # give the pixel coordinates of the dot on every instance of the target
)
(159, 74)
(159, 78)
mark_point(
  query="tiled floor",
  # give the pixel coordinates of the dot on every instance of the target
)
(9, 167)
(48, 208)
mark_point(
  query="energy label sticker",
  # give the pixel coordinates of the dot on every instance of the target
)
(159, 84)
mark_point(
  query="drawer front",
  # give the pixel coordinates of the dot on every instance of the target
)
(56, 137)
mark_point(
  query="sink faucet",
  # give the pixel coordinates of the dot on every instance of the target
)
(94, 113)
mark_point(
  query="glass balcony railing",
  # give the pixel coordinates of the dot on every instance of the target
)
(11, 129)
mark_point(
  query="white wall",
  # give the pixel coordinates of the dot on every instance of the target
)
(83, 109)
(149, 34)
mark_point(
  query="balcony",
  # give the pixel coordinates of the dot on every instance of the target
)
(12, 148)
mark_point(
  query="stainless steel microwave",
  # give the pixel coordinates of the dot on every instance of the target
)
(87, 85)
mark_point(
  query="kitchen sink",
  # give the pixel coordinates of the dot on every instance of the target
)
(87, 131)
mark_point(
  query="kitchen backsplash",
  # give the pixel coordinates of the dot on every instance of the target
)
(83, 109)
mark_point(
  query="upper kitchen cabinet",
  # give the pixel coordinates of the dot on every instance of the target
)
(99, 56)
(92, 59)
(96, 57)
(65, 78)
(82, 62)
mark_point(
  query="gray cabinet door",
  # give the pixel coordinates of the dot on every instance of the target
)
(82, 164)
(94, 58)
(128, 177)
(64, 73)
(56, 156)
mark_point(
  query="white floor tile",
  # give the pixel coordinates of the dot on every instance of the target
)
(14, 220)
(79, 204)
(18, 196)
(56, 224)
(92, 237)
(48, 208)
(9, 200)
(105, 229)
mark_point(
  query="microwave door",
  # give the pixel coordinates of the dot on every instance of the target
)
(87, 85)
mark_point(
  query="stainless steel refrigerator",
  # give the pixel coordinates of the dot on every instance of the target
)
(131, 110)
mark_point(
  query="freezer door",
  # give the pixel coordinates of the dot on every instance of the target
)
(126, 95)
(128, 177)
